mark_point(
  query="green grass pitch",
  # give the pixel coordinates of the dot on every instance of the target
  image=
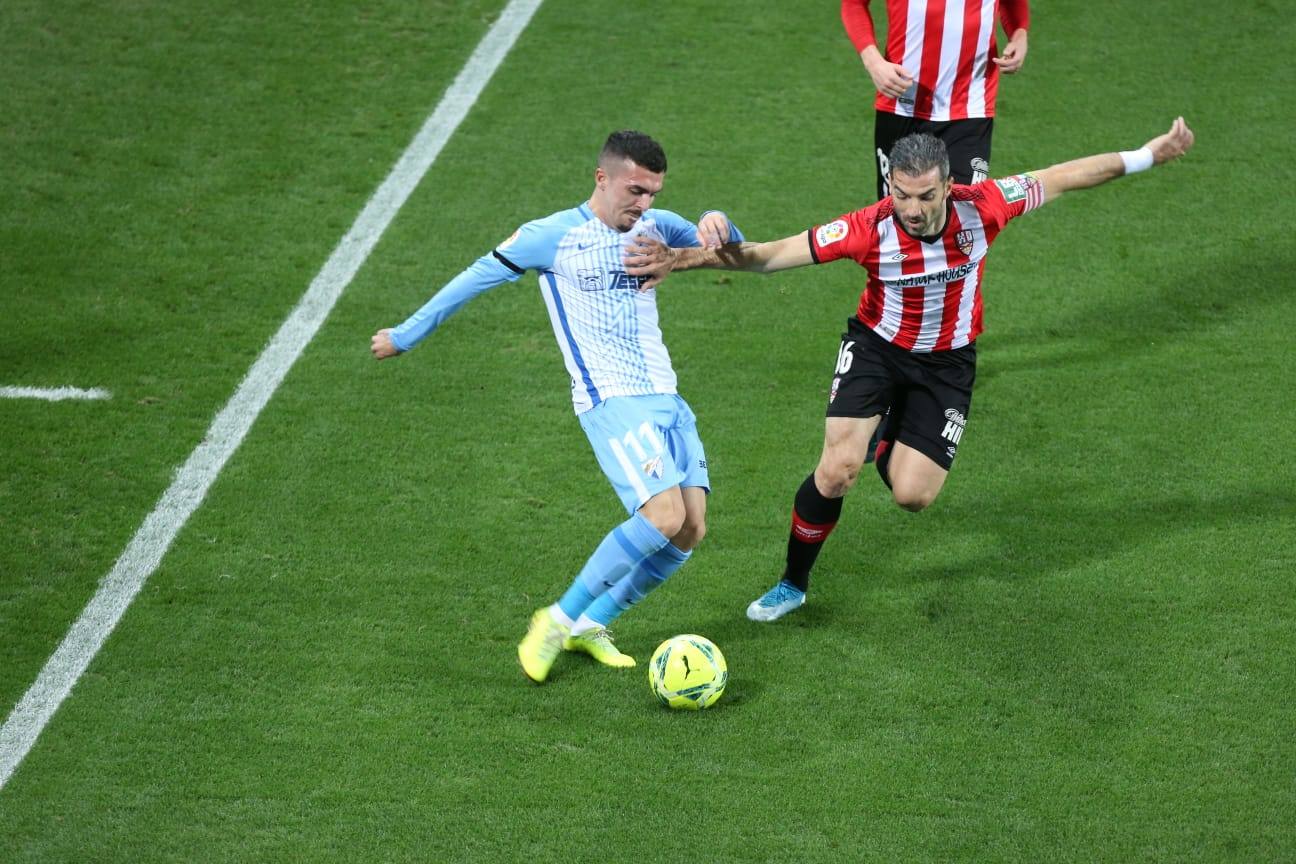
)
(1085, 651)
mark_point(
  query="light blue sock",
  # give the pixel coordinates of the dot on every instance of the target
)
(625, 546)
(637, 584)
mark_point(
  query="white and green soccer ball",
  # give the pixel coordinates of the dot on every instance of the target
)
(688, 672)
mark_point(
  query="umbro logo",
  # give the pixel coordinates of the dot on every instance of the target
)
(899, 256)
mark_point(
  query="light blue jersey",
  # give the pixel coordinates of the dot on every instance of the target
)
(606, 327)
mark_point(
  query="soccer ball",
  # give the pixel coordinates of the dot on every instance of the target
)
(688, 672)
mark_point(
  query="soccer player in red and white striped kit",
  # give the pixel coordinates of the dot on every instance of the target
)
(939, 74)
(909, 351)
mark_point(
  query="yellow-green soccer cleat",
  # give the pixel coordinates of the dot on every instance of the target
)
(539, 648)
(598, 644)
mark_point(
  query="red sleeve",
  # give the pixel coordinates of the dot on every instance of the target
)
(1013, 14)
(859, 23)
(1009, 197)
(849, 236)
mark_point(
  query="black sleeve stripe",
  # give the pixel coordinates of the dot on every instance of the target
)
(810, 240)
(507, 263)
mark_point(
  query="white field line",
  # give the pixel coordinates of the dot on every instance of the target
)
(145, 550)
(53, 394)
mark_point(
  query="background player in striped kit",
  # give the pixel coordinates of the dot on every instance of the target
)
(910, 347)
(623, 386)
(939, 74)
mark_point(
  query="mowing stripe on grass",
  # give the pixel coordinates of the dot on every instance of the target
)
(145, 550)
(53, 394)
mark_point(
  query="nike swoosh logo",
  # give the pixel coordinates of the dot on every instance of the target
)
(583, 246)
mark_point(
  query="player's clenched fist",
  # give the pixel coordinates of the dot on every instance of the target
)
(381, 345)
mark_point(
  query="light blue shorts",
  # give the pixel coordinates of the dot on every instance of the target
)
(646, 445)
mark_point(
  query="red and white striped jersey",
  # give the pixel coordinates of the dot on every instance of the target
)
(926, 296)
(946, 45)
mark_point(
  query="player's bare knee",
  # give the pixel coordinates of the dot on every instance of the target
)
(690, 535)
(669, 523)
(913, 496)
(835, 477)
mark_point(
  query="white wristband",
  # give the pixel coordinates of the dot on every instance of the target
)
(1136, 160)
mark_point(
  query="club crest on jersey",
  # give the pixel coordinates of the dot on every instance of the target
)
(955, 421)
(590, 280)
(963, 240)
(832, 232)
(653, 467)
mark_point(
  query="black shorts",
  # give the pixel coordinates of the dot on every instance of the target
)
(928, 396)
(968, 143)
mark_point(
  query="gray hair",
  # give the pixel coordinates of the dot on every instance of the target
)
(919, 153)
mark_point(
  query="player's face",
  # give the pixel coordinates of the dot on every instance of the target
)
(920, 201)
(624, 190)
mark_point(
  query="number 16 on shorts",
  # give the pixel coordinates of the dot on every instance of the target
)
(844, 360)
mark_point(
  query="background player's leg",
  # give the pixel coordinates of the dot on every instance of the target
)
(887, 129)
(815, 511)
(968, 145)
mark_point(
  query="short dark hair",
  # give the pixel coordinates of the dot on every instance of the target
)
(637, 147)
(919, 153)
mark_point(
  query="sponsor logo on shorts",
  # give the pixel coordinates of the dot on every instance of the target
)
(954, 423)
(963, 240)
(832, 394)
(980, 169)
(832, 232)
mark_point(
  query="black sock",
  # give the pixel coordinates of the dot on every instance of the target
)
(813, 518)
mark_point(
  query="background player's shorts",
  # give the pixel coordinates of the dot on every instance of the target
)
(968, 143)
(929, 395)
(646, 445)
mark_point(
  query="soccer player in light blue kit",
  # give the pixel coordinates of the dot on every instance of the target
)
(623, 387)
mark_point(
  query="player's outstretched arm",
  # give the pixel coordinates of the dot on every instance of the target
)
(1095, 170)
(485, 273)
(654, 260)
